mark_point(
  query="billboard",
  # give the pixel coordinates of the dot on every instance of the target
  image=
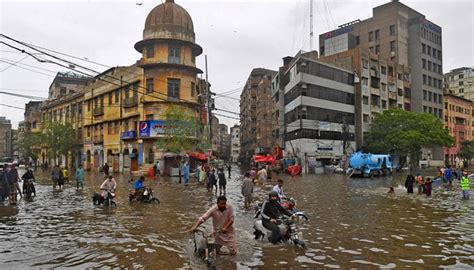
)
(151, 128)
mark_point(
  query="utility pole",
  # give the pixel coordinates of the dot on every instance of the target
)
(209, 99)
(311, 34)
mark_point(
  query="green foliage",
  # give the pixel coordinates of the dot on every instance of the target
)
(60, 139)
(467, 150)
(30, 145)
(406, 133)
(180, 131)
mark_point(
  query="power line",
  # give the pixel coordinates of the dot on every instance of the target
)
(23, 64)
(10, 106)
(23, 96)
(13, 64)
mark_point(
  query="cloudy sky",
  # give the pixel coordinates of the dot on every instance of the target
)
(236, 35)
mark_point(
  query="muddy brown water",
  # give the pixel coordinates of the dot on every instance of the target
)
(353, 223)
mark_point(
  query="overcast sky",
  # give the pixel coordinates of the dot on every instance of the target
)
(236, 35)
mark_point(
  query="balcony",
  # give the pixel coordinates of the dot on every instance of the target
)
(98, 139)
(98, 111)
(130, 102)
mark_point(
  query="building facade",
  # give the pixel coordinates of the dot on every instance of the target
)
(460, 82)
(5, 130)
(382, 84)
(224, 142)
(256, 108)
(64, 106)
(458, 119)
(405, 37)
(319, 111)
(235, 143)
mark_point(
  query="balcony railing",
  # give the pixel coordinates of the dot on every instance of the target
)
(130, 102)
(98, 111)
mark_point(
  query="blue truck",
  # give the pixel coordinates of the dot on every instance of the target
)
(368, 165)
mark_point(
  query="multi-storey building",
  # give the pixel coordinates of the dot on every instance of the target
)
(460, 82)
(224, 142)
(64, 105)
(33, 116)
(11, 143)
(458, 119)
(5, 128)
(256, 108)
(235, 143)
(405, 37)
(383, 84)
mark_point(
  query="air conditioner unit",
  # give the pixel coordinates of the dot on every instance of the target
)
(392, 54)
(303, 64)
(304, 86)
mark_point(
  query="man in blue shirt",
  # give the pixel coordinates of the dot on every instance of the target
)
(139, 189)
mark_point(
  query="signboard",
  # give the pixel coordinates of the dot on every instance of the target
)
(338, 32)
(128, 135)
(151, 128)
(324, 126)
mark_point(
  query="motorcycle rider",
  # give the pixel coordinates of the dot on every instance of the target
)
(278, 188)
(28, 177)
(139, 188)
(109, 184)
(271, 211)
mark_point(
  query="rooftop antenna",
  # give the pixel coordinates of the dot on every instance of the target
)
(311, 34)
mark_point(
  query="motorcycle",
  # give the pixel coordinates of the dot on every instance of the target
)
(108, 200)
(205, 248)
(288, 227)
(146, 197)
(28, 188)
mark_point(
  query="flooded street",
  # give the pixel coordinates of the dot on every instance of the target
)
(353, 224)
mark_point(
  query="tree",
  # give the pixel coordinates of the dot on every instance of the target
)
(30, 145)
(60, 139)
(406, 133)
(467, 150)
(180, 133)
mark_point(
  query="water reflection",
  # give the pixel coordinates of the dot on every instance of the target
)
(353, 223)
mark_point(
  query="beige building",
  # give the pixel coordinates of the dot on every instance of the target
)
(256, 108)
(5, 129)
(460, 82)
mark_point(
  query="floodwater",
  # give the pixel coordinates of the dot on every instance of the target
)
(353, 223)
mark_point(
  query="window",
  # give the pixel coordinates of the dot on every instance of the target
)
(127, 92)
(440, 84)
(384, 87)
(430, 96)
(377, 34)
(439, 54)
(377, 49)
(390, 71)
(440, 70)
(434, 67)
(365, 118)
(384, 104)
(173, 88)
(461, 90)
(117, 96)
(429, 65)
(392, 46)
(425, 95)
(399, 76)
(424, 63)
(461, 83)
(174, 55)
(365, 63)
(392, 30)
(357, 40)
(149, 86)
(424, 79)
(365, 100)
(371, 36)
(149, 117)
(423, 48)
(429, 81)
(110, 98)
(89, 106)
(461, 76)
(384, 70)
(429, 50)
(150, 51)
(193, 89)
(434, 53)
(371, 49)
(135, 89)
(365, 81)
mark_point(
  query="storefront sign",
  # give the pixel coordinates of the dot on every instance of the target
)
(151, 128)
(128, 135)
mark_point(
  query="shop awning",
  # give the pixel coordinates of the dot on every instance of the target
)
(198, 155)
(264, 159)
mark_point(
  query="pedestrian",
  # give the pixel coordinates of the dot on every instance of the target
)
(11, 185)
(80, 177)
(186, 173)
(212, 180)
(465, 186)
(409, 183)
(222, 225)
(222, 181)
(421, 183)
(57, 176)
(157, 169)
(17, 180)
(428, 186)
(4, 186)
(202, 176)
(448, 176)
(229, 168)
(106, 169)
(262, 175)
(247, 189)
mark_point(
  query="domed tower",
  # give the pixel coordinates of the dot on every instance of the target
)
(168, 55)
